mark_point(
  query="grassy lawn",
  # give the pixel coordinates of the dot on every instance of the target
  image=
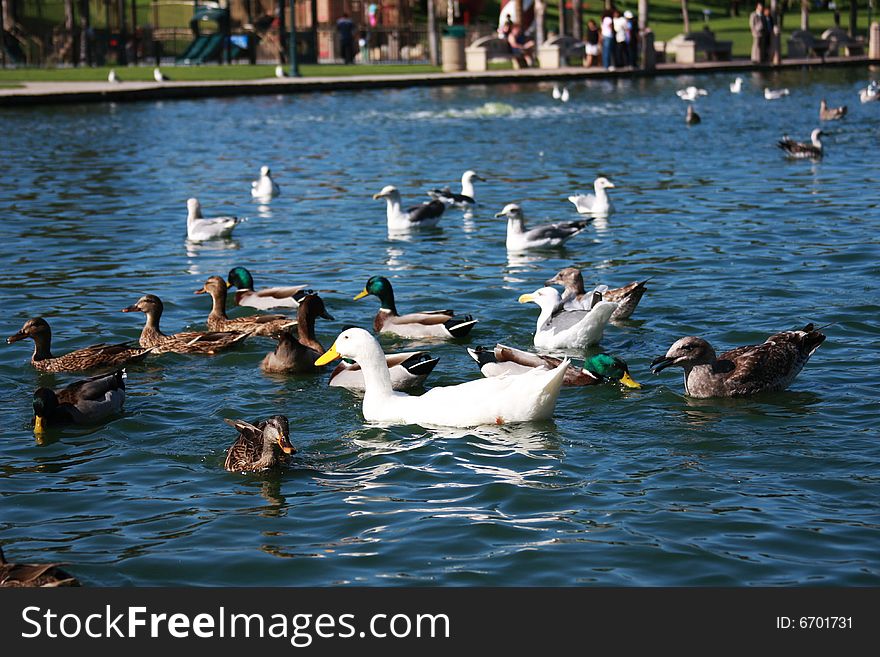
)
(208, 72)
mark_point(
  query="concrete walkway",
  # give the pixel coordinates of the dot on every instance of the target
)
(52, 93)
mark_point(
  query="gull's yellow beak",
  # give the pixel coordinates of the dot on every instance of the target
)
(38, 424)
(525, 298)
(362, 294)
(376, 197)
(629, 382)
(329, 355)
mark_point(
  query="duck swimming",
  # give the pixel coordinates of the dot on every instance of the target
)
(188, 342)
(768, 367)
(20, 575)
(597, 369)
(499, 400)
(264, 187)
(426, 324)
(298, 354)
(99, 355)
(408, 370)
(520, 238)
(576, 298)
(558, 328)
(265, 325)
(259, 447)
(266, 298)
(801, 150)
(89, 401)
(597, 204)
(830, 113)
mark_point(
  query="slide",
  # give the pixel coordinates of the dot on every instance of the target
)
(206, 47)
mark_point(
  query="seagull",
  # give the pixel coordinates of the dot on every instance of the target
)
(463, 200)
(802, 150)
(691, 93)
(598, 204)
(557, 328)
(112, 77)
(547, 235)
(198, 228)
(691, 118)
(280, 72)
(557, 92)
(736, 86)
(831, 113)
(871, 92)
(424, 215)
(159, 76)
(565, 95)
(265, 187)
(774, 94)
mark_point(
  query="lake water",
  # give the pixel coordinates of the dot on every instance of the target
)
(643, 487)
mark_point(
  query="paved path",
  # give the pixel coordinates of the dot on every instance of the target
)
(50, 93)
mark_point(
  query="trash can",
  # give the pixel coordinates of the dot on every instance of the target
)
(452, 48)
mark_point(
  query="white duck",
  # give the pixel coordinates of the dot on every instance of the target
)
(424, 215)
(520, 238)
(736, 86)
(199, 229)
(408, 370)
(691, 93)
(159, 76)
(499, 400)
(265, 187)
(558, 328)
(598, 204)
(774, 94)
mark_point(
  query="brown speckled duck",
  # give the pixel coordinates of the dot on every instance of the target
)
(298, 354)
(20, 575)
(189, 342)
(576, 298)
(767, 367)
(259, 447)
(266, 325)
(96, 356)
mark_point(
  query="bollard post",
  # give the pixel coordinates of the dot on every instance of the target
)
(874, 42)
(776, 45)
(649, 55)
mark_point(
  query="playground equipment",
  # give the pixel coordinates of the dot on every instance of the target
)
(216, 45)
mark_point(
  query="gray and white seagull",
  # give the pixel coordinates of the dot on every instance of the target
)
(547, 235)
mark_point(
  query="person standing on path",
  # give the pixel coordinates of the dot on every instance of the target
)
(756, 26)
(345, 27)
(608, 39)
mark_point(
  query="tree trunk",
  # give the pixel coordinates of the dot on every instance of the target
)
(518, 12)
(561, 17)
(643, 14)
(279, 11)
(85, 52)
(432, 35)
(539, 21)
(805, 15)
(68, 29)
(684, 16)
(576, 20)
(853, 17)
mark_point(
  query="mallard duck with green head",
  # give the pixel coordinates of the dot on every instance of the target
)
(188, 342)
(90, 401)
(266, 325)
(259, 446)
(21, 575)
(247, 295)
(89, 358)
(597, 369)
(297, 355)
(425, 324)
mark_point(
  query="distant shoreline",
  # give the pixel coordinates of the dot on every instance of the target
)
(61, 93)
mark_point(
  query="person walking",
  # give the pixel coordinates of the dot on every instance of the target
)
(345, 28)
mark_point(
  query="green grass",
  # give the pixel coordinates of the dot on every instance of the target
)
(208, 72)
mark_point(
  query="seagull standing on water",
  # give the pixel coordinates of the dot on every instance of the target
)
(548, 235)
(198, 228)
(265, 187)
(802, 150)
(598, 204)
(424, 215)
(467, 197)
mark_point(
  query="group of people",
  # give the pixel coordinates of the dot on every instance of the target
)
(615, 38)
(762, 24)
